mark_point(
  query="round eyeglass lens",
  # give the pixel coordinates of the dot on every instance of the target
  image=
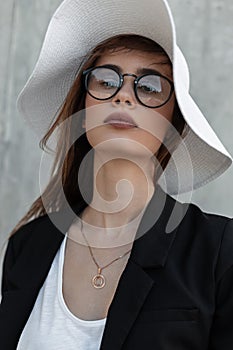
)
(102, 83)
(153, 90)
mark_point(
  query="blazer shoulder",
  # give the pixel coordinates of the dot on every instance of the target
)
(26, 231)
(13, 247)
(206, 221)
(215, 232)
(15, 243)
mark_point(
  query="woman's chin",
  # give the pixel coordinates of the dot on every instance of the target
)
(124, 148)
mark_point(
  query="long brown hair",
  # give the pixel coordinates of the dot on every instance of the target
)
(68, 159)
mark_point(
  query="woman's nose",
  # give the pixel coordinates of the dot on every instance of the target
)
(126, 93)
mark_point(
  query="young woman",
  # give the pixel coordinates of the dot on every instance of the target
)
(109, 260)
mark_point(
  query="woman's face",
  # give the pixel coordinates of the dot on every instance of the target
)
(152, 123)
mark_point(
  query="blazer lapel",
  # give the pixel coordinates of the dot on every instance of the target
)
(150, 249)
(132, 290)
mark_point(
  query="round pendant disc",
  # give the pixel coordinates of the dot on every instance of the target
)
(98, 281)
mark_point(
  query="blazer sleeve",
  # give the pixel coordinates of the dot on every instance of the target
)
(221, 334)
(12, 249)
(2, 261)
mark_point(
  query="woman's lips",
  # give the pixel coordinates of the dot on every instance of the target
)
(120, 120)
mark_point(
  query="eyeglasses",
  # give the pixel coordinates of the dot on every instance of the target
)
(151, 90)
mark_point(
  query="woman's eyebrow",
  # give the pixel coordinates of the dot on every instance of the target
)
(143, 70)
(147, 71)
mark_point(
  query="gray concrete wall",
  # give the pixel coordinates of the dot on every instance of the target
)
(205, 34)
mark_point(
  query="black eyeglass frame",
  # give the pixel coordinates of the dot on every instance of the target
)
(121, 76)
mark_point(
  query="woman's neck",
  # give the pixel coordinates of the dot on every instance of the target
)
(121, 192)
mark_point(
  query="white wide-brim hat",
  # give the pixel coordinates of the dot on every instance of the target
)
(75, 29)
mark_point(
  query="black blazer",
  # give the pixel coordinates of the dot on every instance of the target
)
(175, 293)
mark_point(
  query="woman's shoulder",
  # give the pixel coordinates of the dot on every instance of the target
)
(43, 224)
(32, 233)
(27, 230)
(190, 215)
(200, 217)
(211, 226)
(192, 219)
(212, 231)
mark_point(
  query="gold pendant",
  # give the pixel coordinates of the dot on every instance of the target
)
(98, 281)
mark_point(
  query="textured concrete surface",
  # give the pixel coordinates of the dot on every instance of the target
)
(205, 34)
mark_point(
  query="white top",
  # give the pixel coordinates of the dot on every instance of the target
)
(51, 325)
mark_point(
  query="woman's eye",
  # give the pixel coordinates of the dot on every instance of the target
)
(148, 89)
(108, 84)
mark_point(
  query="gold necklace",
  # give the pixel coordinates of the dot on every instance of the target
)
(99, 281)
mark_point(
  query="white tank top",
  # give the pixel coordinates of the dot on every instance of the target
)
(51, 325)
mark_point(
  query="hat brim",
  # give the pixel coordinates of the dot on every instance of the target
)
(201, 157)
